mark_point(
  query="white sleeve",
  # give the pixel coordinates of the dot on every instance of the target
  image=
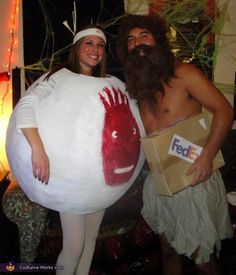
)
(26, 108)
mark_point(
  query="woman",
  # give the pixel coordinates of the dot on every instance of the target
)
(87, 56)
(80, 225)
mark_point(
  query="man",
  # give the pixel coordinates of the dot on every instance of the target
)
(194, 221)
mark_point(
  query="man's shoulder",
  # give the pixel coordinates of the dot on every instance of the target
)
(183, 68)
(187, 71)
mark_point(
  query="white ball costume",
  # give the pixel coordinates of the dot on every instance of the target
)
(91, 132)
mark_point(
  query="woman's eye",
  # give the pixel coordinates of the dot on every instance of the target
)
(114, 134)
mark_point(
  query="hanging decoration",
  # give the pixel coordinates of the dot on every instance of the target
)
(74, 20)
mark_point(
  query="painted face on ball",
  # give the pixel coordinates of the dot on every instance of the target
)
(120, 138)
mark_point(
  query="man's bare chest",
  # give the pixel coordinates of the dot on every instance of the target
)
(167, 110)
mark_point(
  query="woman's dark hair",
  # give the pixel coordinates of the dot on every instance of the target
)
(72, 63)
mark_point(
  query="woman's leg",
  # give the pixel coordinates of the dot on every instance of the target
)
(73, 232)
(93, 222)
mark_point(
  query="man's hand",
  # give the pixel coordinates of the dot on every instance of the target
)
(201, 168)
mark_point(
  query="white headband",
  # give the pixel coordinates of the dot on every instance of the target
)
(91, 31)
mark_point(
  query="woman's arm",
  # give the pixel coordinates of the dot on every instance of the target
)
(26, 122)
(25, 110)
(40, 161)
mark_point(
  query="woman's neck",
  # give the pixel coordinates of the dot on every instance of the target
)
(85, 71)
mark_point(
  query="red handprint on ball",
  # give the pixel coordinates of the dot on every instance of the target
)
(120, 138)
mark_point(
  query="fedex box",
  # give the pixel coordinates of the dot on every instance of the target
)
(171, 152)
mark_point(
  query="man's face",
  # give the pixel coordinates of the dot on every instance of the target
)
(139, 36)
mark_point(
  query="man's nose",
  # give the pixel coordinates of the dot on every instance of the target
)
(137, 42)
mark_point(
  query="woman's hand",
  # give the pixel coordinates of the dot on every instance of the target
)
(40, 164)
(40, 161)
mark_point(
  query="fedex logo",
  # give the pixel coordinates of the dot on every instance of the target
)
(184, 149)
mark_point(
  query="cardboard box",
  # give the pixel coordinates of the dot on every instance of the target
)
(171, 152)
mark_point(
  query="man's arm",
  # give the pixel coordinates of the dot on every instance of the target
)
(200, 88)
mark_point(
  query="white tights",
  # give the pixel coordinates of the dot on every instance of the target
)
(79, 238)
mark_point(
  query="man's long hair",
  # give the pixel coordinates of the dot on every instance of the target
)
(147, 73)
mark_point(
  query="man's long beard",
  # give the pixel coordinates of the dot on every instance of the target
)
(143, 70)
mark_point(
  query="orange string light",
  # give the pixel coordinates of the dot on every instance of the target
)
(12, 31)
(5, 77)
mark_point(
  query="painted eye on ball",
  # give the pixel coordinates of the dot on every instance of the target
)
(114, 134)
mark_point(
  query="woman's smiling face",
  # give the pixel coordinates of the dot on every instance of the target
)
(90, 52)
